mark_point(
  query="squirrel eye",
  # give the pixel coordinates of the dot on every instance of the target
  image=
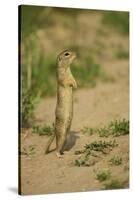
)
(66, 54)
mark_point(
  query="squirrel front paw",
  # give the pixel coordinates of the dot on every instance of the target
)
(71, 83)
(74, 84)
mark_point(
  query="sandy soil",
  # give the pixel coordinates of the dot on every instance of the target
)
(94, 107)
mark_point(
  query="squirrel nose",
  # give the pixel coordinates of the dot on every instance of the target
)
(74, 55)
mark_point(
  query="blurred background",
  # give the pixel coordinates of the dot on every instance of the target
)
(98, 38)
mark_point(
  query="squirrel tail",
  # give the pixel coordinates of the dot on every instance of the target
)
(49, 143)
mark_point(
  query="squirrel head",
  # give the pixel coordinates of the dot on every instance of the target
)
(65, 58)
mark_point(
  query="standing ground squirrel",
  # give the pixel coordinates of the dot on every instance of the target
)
(64, 107)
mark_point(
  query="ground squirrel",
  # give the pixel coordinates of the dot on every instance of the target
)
(64, 107)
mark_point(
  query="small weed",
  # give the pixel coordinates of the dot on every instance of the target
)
(100, 145)
(27, 108)
(85, 162)
(103, 175)
(115, 184)
(88, 131)
(103, 132)
(122, 54)
(79, 152)
(44, 130)
(116, 160)
(28, 151)
(92, 150)
(115, 128)
(97, 146)
(119, 127)
(79, 163)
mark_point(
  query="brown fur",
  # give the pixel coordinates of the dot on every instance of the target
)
(64, 107)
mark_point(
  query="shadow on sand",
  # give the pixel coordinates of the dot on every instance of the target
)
(71, 141)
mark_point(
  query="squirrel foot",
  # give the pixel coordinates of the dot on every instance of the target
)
(59, 155)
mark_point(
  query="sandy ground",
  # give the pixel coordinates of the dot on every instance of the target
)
(41, 174)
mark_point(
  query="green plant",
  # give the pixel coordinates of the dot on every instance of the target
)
(90, 73)
(43, 130)
(86, 162)
(103, 175)
(79, 163)
(97, 146)
(100, 145)
(43, 69)
(103, 132)
(122, 54)
(116, 184)
(119, 127)
(118, 21)
(27, 108)
(115, 128)
(92, 150)
(44, 76)
(43, 81)
(28, 151)
(116, 160)
(33, 17)
(89, 131)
